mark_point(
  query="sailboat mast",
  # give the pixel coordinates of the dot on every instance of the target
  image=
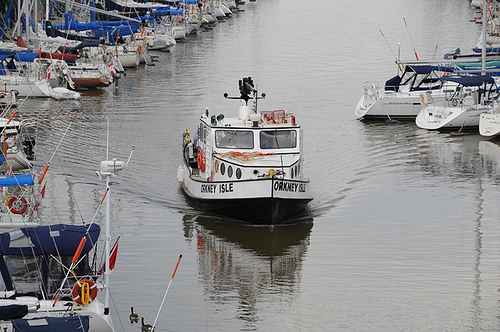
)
(483, 38)
(106, 248)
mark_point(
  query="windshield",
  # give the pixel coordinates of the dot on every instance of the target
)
(282, 139)
(234, 139)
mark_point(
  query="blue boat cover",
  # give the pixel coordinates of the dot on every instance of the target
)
(27, 56)
(16, 180)
(51, 324)
(59, 239)
(13, 311)
(469, 80)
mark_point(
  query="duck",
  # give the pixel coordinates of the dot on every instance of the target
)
(134, 318)
(146, 327)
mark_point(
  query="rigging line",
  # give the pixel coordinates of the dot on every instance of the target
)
(393, 54)
(77, 253)
(72, 195)
(55, 151)
(413, 45)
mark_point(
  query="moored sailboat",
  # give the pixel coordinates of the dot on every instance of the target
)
(57, 254)
(463, 108)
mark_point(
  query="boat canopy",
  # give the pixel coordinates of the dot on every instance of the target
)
(16, 180)
(421, 69)
(59, 239)
(469, 80)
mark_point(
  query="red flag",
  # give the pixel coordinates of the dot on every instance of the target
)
(112, 258)
(113, 255)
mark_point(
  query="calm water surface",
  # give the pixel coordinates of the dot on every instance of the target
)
(404, 227)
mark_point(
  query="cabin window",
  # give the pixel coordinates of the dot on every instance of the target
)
(278, 139)
(234, 139)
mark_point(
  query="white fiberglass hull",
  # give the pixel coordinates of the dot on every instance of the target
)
(489, 124)
(29, 89)
(39, 309)
(433, 117)
(401, 106)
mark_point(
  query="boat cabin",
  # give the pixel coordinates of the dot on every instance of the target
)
(252, 146)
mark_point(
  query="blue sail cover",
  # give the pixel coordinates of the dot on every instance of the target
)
(59, 239)
(51, 324)
(111, 5)
(16, 180)
(108, 29)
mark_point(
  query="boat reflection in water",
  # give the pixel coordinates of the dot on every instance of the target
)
(248, 264)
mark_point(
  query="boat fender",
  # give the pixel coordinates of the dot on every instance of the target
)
(18, 205)
(84, 291)
(201, 160)
(372, 91)
(424, 98)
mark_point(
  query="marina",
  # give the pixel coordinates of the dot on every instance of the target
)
(402, 229)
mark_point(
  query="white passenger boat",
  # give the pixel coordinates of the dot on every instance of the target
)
(249, 167)
(462, 109)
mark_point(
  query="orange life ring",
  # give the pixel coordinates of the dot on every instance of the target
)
(201, 160)
(84, 291)
(18, 205)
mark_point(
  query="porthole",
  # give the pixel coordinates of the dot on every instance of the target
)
(297, 170)
(222, 168)
(238, 173)
(230, 171)
(291, 173)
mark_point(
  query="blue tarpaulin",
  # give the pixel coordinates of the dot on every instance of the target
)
(59, 239)
(51, 324)
(16, 180)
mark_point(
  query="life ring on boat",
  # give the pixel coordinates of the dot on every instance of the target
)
(84, 291)
(201, 160)
(18, 205)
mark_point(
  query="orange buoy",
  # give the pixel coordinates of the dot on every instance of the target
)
(84, 291)
(201, 160)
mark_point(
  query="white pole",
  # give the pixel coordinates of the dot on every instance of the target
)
(166, 292)
(106, 248)
(483, 41)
